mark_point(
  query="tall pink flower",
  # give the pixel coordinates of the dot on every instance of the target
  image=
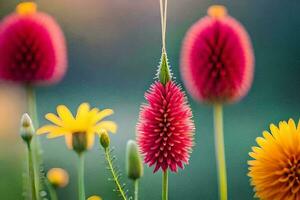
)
(165, 128)
(217, 61)
(32, 47)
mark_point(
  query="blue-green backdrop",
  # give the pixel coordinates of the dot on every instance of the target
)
(114, 50)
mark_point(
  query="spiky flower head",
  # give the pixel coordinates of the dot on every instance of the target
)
(165, 128)
(275, 168)
(79, 131)
(32, 47)
(58, 177)
(217, 61)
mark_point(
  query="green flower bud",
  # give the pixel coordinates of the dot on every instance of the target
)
(134, 165)
(104, 139)
(27, 130)
(164, 74)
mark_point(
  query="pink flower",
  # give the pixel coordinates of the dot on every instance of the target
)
(217, 61)
(165, 128)
(32, 47)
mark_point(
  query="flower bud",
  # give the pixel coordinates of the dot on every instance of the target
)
(58, 177)
(94, 197)
(134, 165)
(27, 129)
(164, 74)
(104, 139)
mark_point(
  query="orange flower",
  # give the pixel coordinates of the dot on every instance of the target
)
(275, 170)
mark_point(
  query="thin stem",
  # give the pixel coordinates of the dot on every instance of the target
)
(165, 185)
(31, 174)
(136, 189)
(162, 23)
(114, 174)
(32, 110)
(165, 24)
(220, 151)
(163, 17)
(81, 192)
(52, 191)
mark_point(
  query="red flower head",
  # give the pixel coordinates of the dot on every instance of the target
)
(165, 128)
(217, 61)
(32, 47)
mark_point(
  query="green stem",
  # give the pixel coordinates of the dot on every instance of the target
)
(32, 110)
(136, 189)
(114, 174)
(220, 151)
(165, 186)
(81, 192)
(31, 173)
(52, 191)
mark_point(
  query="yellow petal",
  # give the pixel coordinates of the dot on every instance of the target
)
(102, 114)
(260, 141)
(54, 119)
(292, 124)
(46, 129)
(90, 140)
(65, 114)
(57, 133)
(82, 111)
(109, 126)
(69, 141)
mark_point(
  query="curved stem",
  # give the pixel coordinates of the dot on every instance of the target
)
(136, 189)
(31, 174)
(165, 185)
(114, 174)
(220, 151)
(81, 192)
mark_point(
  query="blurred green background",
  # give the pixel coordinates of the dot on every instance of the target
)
(114, 50)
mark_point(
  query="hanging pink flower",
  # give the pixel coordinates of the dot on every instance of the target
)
(217, 61)
(32, 47)
(165, 128)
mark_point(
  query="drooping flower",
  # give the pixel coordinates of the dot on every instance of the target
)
(79, 131)
(32, 47)
(58, 177)
(275, 168)
(165, 128)
(217, 61)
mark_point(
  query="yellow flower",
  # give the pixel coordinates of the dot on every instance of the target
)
(79, 131)
(94, 197)
(58, 177)
(275, 170)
